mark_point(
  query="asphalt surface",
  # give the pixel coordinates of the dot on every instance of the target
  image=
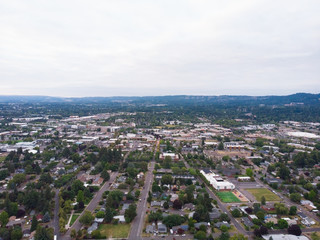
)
(56, 214)
(91, 206)
(137, 223)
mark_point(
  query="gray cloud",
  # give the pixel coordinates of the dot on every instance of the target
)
(107, 48)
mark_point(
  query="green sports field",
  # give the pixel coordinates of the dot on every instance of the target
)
(227, 197)
(259, 192)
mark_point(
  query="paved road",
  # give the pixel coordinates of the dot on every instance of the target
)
(137, 223)
(56, 214)
(91, 206)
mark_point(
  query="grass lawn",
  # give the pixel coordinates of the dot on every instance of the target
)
(114, 231)
(74, 218)
(227, 197)
(259, 192)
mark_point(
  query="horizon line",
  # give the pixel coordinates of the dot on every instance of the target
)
(169, 95)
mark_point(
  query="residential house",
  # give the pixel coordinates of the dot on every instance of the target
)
(197, 225)
(214, 214)
(92, 228)
(220, 224)
(162, 228)
(189, 206)
(150, 229)
(26, 233)
(271, 219)
(16, 222)
(268, 208)
(120, 218)
(246, 221)
(155, 204)
(98, 220)
(140, 175)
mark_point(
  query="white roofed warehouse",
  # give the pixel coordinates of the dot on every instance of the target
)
(216, 181)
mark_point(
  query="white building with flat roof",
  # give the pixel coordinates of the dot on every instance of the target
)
(217, 182)
(284, 237)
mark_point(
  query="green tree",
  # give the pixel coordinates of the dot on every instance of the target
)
(173, 220)
(189, 191)
(4, 218)
(114, 198)
(46, 178)
(224, 236)
(149, 199)
(263, 200)
(154, 216)
(236, 213)
(293, 210)
(87, 218)
(259, 142)
(238, 237)
(224, 217)
(220, 146)
(109, 215)
(224, 228)
(200, 235)
(166, 179)
(312, 195)
(96, 234)
(226, 158)
(76, 186)
(177, 204)
(167, 162)
(282, 224)
(100, 214)
(34, 223)
(260, 215)
(284, 172)
(130, 213)
(155, 187)
(4, 233)
(249, 172)
(295, 197)
(43, 233)
(281, 209)
(16, 233)
(294, 229)
(137, 194)
(19, 178)
(80, 196)
(31, 199)
(73, 233)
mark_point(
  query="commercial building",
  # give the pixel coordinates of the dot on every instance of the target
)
(216, 181)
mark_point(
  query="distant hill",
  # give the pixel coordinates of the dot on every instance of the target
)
(305, 98)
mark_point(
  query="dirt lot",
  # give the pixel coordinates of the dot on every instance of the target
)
(219, 154)
(241, 196)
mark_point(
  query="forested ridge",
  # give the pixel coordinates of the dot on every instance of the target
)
(296, 107)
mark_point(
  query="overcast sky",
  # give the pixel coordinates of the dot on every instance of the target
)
(148, 47)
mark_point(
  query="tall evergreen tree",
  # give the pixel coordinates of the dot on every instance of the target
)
(34, 223)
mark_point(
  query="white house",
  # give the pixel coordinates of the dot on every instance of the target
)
(120, 218)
